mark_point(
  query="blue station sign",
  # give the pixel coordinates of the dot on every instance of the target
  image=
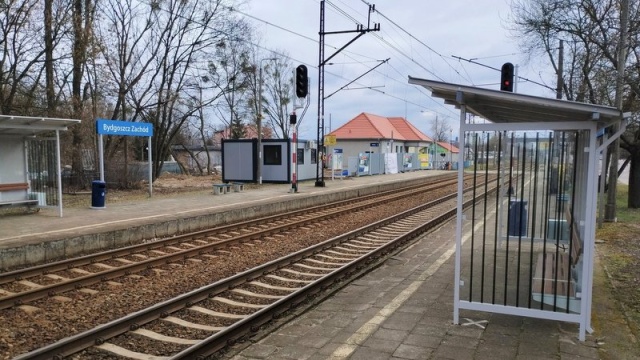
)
(123, 128)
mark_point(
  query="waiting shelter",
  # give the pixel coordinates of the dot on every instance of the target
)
(30, 170)
(526, 223)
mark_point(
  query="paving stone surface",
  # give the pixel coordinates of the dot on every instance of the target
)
(370, 319)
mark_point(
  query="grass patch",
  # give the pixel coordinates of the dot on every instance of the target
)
(623, 213)
(620, 253)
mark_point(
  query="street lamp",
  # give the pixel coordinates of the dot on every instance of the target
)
(259, 122)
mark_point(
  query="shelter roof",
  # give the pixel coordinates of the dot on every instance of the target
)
(507, 107)
(370, 126)
(31, 126)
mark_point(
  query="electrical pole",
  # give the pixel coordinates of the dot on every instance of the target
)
(360, 30)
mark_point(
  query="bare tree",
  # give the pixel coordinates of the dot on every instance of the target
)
(231, 73)
(441, 130)
(277, 97)
(82, 14)
(592, 30)
(128, 50)
(22, 55)
(168, 100)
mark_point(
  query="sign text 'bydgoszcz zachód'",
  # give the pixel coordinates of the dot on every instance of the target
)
(125, 128)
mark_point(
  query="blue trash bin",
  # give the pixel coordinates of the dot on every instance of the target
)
(98, 194)
(517, 218)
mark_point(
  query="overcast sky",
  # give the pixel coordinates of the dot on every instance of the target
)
(418, 36)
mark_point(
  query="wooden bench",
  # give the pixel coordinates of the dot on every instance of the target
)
(557, 276)
(16, 187)
(219, 189)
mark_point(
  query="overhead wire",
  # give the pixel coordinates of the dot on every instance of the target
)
(418, 40)
(397, 49)
(343, 13)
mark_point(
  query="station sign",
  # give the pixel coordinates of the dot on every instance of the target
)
(374, 144)
(123, 128)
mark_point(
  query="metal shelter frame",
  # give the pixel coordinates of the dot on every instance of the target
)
(511, 112)
(29, 127)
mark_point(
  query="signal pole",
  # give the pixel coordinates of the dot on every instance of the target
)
(301, 82)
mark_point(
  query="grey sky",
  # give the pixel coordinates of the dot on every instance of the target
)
(472, 29)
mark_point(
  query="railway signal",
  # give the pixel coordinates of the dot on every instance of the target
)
(506, 77)
(302, 81)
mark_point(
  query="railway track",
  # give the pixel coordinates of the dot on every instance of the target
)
(26, 285)
(199, 323)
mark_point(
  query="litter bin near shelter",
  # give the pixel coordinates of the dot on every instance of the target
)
(517, 218)
(98, 194)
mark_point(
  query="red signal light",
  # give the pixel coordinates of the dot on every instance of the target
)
(506, 77)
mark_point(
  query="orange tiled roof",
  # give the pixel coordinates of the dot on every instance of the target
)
(448, 147)
(370, 126)
(409, 131)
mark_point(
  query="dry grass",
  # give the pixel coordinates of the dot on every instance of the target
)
(168, 185)
(619, 254)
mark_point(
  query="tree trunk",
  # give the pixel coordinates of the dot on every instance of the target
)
(634, 181)
(78, 55)
(48, 49)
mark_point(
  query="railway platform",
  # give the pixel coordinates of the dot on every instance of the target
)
(404, 310)
(44, 236)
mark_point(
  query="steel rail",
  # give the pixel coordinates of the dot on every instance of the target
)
(128, 269)
(98, 335)
(44, 269)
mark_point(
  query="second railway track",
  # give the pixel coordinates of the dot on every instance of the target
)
(199, 323)
(25, 285)
(52, 318)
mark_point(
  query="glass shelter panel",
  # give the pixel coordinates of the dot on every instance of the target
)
(526, 249)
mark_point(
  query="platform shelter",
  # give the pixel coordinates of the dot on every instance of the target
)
(30, 169)
(525, 246)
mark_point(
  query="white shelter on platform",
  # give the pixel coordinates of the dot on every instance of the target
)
(525, 238)
(29, 161)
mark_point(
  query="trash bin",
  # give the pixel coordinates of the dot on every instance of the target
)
(98, 193)
(517, 218)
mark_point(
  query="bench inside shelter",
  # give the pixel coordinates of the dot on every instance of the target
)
(558, 274)
(20, 192)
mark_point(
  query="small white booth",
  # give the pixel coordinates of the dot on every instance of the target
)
(30, 170)
(525, 241)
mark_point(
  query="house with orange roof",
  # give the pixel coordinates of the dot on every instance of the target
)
(447, 152)
(373, 134)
